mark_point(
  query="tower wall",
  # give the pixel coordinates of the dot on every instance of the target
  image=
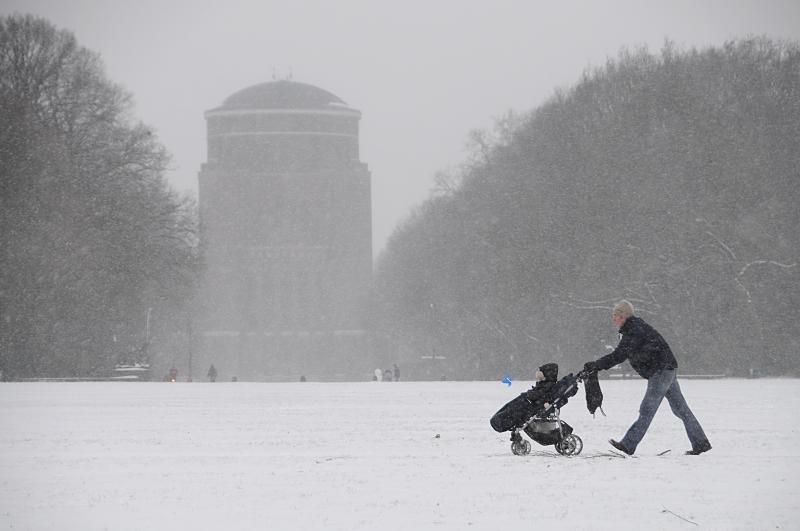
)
(286, 235)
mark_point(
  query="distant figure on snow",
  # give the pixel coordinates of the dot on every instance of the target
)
(387, 375)
(651, 357)
(173, 374)
(212, 373)
(378, 375)
(396, 373)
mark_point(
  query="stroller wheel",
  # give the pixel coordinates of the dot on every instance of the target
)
(522, 447)
(578, 444)
(569, 445)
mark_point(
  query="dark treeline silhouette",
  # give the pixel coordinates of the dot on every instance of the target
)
(91, 234)
(670, 180)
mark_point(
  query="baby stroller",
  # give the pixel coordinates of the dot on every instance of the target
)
(543, 425)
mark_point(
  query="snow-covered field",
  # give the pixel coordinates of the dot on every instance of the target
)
(384, 456)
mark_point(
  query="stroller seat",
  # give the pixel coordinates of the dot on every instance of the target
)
(542, 426)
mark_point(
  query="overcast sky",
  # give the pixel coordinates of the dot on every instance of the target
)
(423, 73)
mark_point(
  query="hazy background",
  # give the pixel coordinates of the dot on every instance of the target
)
(422, 73)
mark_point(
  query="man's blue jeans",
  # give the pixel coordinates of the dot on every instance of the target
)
(664, 384)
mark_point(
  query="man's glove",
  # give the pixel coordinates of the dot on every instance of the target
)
(590, 366)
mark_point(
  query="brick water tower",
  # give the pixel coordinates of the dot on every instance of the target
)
(286, 231)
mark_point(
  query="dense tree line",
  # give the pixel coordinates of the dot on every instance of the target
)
(669, 179)
(92, 236)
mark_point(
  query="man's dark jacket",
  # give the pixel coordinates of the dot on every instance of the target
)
(647, 351)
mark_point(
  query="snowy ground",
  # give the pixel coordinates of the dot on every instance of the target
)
(366, 456)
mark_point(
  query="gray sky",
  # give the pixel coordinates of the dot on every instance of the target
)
(423, 73)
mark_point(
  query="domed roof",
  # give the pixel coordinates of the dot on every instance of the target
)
(283, 94)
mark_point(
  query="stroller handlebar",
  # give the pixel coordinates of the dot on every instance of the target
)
(557, 402)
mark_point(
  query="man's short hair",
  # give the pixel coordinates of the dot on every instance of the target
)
(623, 308)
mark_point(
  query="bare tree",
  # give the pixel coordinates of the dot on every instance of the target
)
(91, 233)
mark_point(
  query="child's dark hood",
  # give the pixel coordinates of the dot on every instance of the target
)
(550, 371)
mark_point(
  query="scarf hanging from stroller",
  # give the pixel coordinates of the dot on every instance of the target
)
(594, 395)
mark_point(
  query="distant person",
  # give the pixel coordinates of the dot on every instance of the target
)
(234, 379)
(303, 378)
(387, 375)
(212, 373)
(396, 373)
(651, 357)
(378, 375)
(173, 374)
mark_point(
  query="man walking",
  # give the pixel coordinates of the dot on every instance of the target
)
(651, 357)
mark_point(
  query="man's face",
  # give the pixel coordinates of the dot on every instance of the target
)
(617, 319)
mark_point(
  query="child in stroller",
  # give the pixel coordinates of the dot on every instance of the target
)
(537, 413)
